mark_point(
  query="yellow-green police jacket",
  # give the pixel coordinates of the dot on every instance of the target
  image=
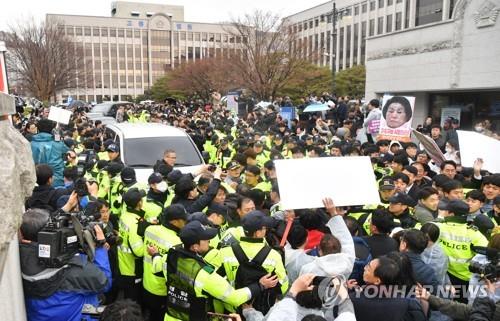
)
(194, 284)
(455, 238)
(163, 239)
(252, 246)
(132, 247)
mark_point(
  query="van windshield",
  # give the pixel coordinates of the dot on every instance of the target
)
(101, 108)
(145, 151)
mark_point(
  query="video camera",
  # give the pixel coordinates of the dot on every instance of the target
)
(86, 160)
(489, 270)
(64, 235)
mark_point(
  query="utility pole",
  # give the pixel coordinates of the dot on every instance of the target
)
(334, 45)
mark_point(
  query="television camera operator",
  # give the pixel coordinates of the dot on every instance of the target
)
(58, 277)
(484, 293)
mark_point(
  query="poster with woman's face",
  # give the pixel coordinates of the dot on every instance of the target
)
(397, 114)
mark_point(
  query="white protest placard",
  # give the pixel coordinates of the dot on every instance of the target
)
(303, 183)
(475, 145)
(59, 115)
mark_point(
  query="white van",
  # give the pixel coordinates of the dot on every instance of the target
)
(142, 144)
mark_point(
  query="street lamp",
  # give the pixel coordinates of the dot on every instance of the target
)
(334, 32)
(335, 13)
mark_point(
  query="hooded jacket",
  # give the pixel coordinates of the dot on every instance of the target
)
(336, 263)
(46, 150)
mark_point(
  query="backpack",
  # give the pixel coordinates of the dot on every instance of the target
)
(250, 271)
(361, 249)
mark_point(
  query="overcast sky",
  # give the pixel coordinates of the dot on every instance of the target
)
(194, 10)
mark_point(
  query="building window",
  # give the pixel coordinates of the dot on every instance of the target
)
(112, 32)
(348, 46)
(399, 18)
(305, 25)
(316, 22)
(70, 31)
(363, 42)
(399, 1)
(104, 32)
(78, 31)
(87, 31)
(380, 3)
(322, 18)
(372, 5)
(372, 27)
(329, 18)
(390, 2)
(428, 11)
(310, 24)
(121, 33)
(380, 25)
(355, 45)
(356, 10)
(95, 32)
(363, 8)
(407, 16)
(388, 22)
(129, 34)
(341, 46)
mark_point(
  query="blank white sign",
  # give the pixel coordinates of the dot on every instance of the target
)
(303, 183)
(474, 145)
(59, 115)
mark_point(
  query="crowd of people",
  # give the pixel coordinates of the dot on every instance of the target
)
(217, 243)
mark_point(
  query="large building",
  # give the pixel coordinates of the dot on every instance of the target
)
(452, 66)
(124, 54)
(443, 52)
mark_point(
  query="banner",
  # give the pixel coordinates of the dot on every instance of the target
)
(397, 114)
(475, 145)
(288, 113)
(303, 183)
(232, 102)
(4, 88)
(430, 147)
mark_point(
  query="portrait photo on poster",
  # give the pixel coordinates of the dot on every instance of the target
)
(397, 115)
(397, 112)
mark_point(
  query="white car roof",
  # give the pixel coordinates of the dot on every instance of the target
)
(139, 130)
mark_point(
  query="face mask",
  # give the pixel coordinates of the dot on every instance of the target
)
(449, 149)
(478, 129)
(162, 186)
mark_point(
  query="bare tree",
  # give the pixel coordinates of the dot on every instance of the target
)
(202, 77)
(42, 59)
(270, 55)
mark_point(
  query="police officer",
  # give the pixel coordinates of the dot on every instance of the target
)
(156, 197)
(255, 225)
(456, 238)
(192, 283)
(399, 207)
(162, 237)
(131, 249)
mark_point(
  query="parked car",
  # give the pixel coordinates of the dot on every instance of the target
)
(142, 144)
(108, 108)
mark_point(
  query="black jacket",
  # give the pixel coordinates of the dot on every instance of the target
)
(381, 244)
(202, 201)
(387, 309)
(46, 197)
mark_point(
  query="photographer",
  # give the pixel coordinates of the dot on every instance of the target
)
(484, 260)
(59, 293)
